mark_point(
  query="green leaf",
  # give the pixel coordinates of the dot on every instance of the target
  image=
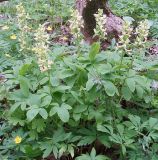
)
(64, 105)
(110, 88)
(104, 68)
(126, 92)
(31, 114)
(14, 107)
(101, 157)
(44, 80)
(54, 81)
(103, 129)
(94, 50)
(76, 96)
(43, 113)
(38, 124)
(89, 84)
(48, 148)
(153, 122)
(24, 85)
(140, 91)
(65, 74)
(63, 114)
(71, 150)
(25, 68)
(86, 140)
(131, 84)
(80, 108)
(61, 88)
(83, 157)
(123, 149)
(93, 153)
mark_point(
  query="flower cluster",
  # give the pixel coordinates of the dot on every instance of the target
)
(142, 32)
(124, 38)
(22, 17)
(5, 28)
(41, 48)
(100, 29)
(76, 23)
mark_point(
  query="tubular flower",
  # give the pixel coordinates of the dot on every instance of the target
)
(41, 48)
(5, 28)
(22, 17)
(13, 37)
(76, 23)
(100, 29)
(17, 139)
(49, 28)
(124, 39)
(142, 32)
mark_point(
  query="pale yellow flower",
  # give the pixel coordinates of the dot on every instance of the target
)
(17, 139)
(7, 55)
(64, 38)
(13, 37)
(5, 28)
(49, 28)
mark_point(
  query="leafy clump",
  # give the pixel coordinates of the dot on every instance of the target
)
(76, 101)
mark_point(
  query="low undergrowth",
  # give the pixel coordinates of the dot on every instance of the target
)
(75, 101)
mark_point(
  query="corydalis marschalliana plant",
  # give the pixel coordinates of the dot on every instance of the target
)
(100, 29)
(76, 23)
(41, 48)
(22, 18)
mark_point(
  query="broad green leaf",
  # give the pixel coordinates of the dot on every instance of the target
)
(140, 91)
(104, 68)
(153, 123)
(131, 84)
(89, 84)
(86, 140)
(80, 108)
(65, 74)
(101, 157)
(102, 129)
(54, 81)
(25, 68)
(123, 149)
(24, 85)
(14, 107)
(126, 92)
(93, 153)
(43, 113)
(63, 114)
(94, 50)
(61, 88)
(83, 157)
(31, 114)
(71, 150)
(44, 80)
(110, 88)
(76, 96)
(53, 109)
(64, 105)
(47, 151)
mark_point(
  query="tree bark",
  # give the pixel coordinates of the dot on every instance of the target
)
(3, 0)
(87, 9)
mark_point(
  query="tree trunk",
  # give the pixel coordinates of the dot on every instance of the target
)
(3, 0)
(87, 8)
